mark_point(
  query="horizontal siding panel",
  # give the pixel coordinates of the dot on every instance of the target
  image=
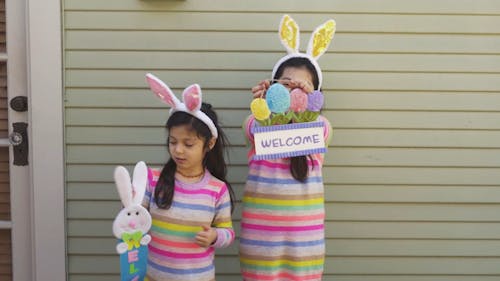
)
(404, 157)
(345, 230)
(336, 247)
(257, 41)
(417, 157)
(338, 211)
(338, 175)
(333, 80)
(331, 61)
(354, 6)
(399, 175)
(409, 193)
(343, 265)
(406, 138)
(416, 138)
(410, 265)
(103, 173)
(335, 193)
(268, 22)
(140, 98)
(339, 119)
(334, 99)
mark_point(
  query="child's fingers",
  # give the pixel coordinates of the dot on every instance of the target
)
(256, 89)
(259, 94)
(201, 243)
(202, 240)
(260, 89)
(205, 237)
(306, 86)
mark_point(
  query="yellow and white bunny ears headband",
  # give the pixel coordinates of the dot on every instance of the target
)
(191, 100)
(318, 44)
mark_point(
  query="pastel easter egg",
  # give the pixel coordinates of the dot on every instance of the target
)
(278, 98)
(259, 109)
(315, 101)
(298, 100)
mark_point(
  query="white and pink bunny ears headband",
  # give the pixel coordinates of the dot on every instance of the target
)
(191, 97)
(318, 44)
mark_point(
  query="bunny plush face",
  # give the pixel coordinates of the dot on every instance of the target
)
(133, 217)
(130, 220)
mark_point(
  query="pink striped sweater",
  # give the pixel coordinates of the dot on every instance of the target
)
(173, 253)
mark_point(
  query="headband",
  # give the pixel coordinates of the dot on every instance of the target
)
(318, 43)
(191, 96)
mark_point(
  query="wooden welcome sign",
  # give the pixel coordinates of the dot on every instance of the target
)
(281, 141)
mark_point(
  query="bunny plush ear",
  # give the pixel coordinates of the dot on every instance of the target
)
(289, 34)
(140, 178)
(320, 39)
(162, 90)
(192, 97)
(123, 185)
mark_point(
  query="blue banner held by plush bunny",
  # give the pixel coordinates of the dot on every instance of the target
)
(133, 264)
(132, 223)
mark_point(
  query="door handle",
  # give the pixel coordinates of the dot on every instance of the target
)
(19, 141)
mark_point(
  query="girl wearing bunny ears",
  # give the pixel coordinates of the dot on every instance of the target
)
(190, 200)
(282, 226)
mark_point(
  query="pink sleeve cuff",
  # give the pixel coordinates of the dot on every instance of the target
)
(225, 237)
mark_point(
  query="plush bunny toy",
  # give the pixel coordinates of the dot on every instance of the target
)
(133, 222)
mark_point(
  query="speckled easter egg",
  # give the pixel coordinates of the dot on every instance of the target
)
(298, 100)
(315, 101)
(259, 109)
(278, 98)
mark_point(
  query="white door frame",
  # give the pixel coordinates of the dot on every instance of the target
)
(45, 95)
(20, 185)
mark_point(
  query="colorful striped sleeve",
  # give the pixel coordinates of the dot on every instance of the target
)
(222, 221)
(247, 126)
(151, 183)
(328, 130)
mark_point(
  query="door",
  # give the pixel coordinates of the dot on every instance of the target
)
(15, 196)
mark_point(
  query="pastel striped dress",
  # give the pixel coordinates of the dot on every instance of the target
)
(173, 253)
(282, 225)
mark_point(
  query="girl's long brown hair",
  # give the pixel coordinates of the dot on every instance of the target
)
(214, 159)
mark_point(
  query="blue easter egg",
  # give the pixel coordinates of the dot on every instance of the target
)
(278, 98)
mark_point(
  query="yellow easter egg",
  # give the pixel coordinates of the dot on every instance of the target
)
(259, 109)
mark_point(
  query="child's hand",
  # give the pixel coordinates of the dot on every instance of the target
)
(206, 237)
(259, 91)
(306, 86)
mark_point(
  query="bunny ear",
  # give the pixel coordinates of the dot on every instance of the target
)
(123, 185)
(192, 97)
(162, 90)
(139, 181)
(320, 39)
(289, 34)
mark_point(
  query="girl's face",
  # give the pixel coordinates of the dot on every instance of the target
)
(187, 149)
(299, 75)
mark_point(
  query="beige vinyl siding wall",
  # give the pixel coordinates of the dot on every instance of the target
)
(412, 177)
